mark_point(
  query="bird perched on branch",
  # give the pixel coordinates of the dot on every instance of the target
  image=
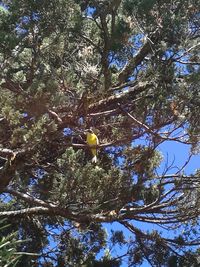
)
(92, 140)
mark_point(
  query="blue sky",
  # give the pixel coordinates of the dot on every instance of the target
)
(179, 153)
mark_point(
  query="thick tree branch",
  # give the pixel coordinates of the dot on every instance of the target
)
(29, 199)
(118, 98)
(26, 212)
(6, 152)
(139, 57)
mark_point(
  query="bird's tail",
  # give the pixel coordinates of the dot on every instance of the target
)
(94, 159)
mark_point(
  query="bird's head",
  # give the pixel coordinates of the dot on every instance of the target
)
(89, 131)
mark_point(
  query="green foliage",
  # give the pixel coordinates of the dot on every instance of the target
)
(83, 246)
(8, 247)
(142, 6)
(100, 185)
(117, 237)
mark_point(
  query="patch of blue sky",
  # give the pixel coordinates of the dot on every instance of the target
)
(137, 40)
(22, 28)
(168, 54)
(116, 62)
(90, 11)
(178, 153)
(5, 198)
(40, 173)
(67, 131)
(25, 114)
(81, 121)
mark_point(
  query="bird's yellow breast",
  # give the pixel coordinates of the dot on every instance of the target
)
(91, 139)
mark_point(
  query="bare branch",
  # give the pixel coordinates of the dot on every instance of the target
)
(187, 51)
(29, 199)
(25, 212)
(4, 152)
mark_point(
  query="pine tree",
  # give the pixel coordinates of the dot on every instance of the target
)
(130, 71)
(8, 245)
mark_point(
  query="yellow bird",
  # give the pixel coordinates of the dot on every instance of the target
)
(92, 140)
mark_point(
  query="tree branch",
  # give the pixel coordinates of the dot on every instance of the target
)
(26, 212)
(114, 99)
(139, 57)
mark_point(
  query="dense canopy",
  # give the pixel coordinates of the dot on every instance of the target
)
(128, 70)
